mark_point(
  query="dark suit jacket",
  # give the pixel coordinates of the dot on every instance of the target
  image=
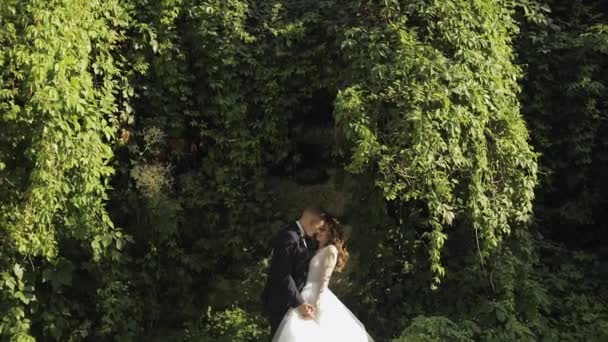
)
(288, 271)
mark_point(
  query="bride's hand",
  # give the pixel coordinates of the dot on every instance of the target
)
(306, 310)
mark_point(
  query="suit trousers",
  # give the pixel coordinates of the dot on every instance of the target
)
(275, 320)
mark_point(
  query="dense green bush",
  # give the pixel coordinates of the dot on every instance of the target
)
(435, 329)
(233, 324)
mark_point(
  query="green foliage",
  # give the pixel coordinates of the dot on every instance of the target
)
(200, 127)
(565, 103)
(15, 295)
(64, 103)
(431, 329)
(432, 112)
(233, 324)
(59, 84)
(575, 282)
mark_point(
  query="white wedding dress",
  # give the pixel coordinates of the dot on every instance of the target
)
(333, 321)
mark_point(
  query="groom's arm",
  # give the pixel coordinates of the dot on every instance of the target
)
(281, 267)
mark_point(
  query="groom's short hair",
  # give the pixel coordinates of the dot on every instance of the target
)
(314, 210)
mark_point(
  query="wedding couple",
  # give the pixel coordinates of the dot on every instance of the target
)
(300, 306)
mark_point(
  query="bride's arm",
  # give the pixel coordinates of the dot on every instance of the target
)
(328, 263)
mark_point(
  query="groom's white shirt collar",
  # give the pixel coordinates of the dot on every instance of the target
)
(301, 232)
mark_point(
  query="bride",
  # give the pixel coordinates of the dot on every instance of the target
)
(331, 320)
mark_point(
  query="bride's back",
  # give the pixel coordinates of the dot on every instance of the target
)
(322, 263)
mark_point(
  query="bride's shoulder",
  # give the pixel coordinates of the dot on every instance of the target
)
(332, 249)
(329, 250)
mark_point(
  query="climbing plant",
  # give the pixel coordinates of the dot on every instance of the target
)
(150, 149)
(61, 92)
(432, 111)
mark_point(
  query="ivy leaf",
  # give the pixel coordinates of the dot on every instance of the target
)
(18, 271)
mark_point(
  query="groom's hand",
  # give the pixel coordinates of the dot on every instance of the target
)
(306, 310)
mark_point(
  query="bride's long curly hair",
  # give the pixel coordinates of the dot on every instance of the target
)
(336, 233)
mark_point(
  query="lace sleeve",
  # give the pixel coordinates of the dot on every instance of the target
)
(328, 264)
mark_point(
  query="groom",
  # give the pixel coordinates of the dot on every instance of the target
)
(289, 268)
